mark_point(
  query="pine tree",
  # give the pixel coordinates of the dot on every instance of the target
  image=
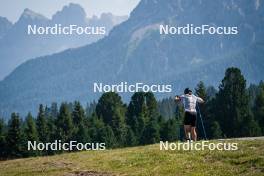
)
(200, 91)
(50, 134)
(232, 105)
(152, 106)
(31, 133)
(136, 116)
(15, 138)
(78, 114)
(64, 124)
(51, 115)
(41, 123)
(151, 133)
(112, 110)
(80, 130)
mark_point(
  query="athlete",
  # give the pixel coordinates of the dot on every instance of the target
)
(189, 103)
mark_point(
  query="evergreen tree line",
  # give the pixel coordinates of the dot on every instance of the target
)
(111, 121)
(232, 111)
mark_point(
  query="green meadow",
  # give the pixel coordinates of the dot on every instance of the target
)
(144, 161)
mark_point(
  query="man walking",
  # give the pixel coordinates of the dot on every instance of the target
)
(189, 103)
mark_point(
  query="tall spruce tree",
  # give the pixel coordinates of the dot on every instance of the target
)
(50, 135)
(31, 133)
(51, 115)
(151, 133)
(41, 123)
(232, 105)
(15, 138)
(136, 116)
(64, 124)
(112, 110)
(200, 91)
(78, 114)
(152, 106)
(80, 129)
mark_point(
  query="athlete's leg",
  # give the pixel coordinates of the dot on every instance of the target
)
(194, 134)
(187, 130)
(193, 126)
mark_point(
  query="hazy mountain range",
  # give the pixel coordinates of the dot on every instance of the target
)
(134, 51)
(16, 46)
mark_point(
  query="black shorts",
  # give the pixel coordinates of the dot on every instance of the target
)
(190, 118)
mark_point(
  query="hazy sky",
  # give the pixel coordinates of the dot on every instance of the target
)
(12, 9)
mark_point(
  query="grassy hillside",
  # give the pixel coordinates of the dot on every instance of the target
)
(146, 160)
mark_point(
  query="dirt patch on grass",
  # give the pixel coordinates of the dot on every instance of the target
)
(58, 164)
(90, 173)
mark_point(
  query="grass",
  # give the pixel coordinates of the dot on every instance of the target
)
(144, 161)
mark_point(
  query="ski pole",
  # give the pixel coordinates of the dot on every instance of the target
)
(199, 112)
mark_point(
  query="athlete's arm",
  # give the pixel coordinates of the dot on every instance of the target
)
(200, 100)
(178, 98)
